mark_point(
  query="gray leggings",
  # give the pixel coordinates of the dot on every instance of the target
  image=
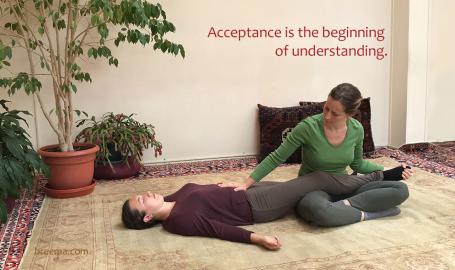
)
(273, 200)
(317, 207)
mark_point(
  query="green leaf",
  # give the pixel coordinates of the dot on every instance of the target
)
(80, 123)
(171, 27)
(3, 175)
(41, 19)
(21, 174)
(90, 52)
(143, 40)
(120, 37)
(103, 31)
(156, 45)
(74, 88)
(41, 30)
(28, 88)
(95, 19)
(14, 147)
(118, 16)
(63, 8)
(61, 24)
(32, 158)
(182, 50)
(3, 212)
(66, 88)
(155, 12)
(8, 52)
(166, 46)
(87, 77)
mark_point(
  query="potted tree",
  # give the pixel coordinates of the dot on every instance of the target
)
(56, 37)
(19, 163)
(122, 140)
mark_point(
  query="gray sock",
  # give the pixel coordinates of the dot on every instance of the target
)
(340, 202)
(386, 213)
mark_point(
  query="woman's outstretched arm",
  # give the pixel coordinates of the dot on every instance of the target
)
(200, 225)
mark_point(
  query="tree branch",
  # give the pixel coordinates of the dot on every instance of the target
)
(32, 70)
(51, 49)
(35, 39)
(9, 35)
(58, 91)
(67, 37)
(57, 41)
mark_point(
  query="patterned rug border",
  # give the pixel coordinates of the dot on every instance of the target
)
(416, 161)
(439, 152)
(15, 234)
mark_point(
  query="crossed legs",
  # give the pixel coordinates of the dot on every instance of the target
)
(273, 200)
(318, 208)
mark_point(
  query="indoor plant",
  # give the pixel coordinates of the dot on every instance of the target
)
(122, 140)
(56, 36)
(19, 163)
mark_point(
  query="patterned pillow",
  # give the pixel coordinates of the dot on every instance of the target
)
(363, 116)
(276, 123)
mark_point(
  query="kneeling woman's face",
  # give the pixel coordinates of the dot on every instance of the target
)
(334, 112)
(149, 202)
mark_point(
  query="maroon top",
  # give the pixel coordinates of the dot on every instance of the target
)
(209, 210)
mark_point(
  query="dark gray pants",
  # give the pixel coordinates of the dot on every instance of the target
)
(273, 200)
(317, 207)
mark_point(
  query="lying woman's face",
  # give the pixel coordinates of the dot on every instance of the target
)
(148, 202)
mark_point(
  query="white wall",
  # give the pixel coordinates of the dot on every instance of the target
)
(205, 105)
(417, 71)
(431, 74)
(441, 72)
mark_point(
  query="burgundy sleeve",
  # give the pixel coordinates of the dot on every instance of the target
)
(212, 228)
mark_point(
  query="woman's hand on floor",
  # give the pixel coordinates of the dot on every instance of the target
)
(269, 242)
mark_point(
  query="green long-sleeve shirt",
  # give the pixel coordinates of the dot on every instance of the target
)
(317, 153)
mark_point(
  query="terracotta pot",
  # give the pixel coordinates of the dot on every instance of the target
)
(70, 170)
(121, 170)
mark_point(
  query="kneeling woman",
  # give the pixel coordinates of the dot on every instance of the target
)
(214, 211)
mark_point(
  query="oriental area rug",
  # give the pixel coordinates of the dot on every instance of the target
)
(87, 233)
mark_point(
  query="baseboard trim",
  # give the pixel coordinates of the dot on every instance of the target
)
(148, 163)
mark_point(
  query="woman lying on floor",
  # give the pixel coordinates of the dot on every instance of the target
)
(214, 211)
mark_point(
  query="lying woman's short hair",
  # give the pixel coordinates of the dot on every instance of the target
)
(134, 219)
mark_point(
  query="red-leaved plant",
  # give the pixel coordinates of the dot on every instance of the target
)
(118, 133)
